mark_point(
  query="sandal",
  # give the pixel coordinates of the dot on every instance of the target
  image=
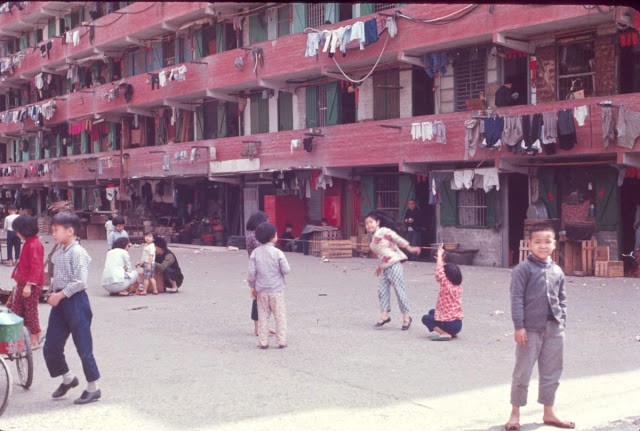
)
(406, 326)
(383, 322)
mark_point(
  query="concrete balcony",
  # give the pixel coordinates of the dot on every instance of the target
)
(340, 149)
(33, 15)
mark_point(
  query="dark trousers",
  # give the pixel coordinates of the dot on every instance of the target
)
(72, 316)
(254, 310)
(414, 239)
(171, 275)
(13, 244)
(155, 81)
(451, 328)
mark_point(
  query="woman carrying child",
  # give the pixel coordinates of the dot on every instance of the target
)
(386, 244)
(446, 319)
(29, 276)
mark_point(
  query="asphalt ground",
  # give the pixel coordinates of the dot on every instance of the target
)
(190, 361)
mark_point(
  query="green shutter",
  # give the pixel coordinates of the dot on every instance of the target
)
(221, 38)
(285, 111)
(24, 41)
(299, 17)
(491, 208)
(548, 191)
(112, 136)
(199, 117)
(406, 191)
(448, 205)
(51, 28)
(331, 12)
(84, 142)
(311, 98)
(607, 199)
(333, 104)
(185, 48)
(367, 194)
(366, 8)
(222, 119)
(197, 40)
(157, 62)
(257, 30)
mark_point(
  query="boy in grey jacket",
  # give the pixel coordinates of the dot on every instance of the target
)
(539, 311)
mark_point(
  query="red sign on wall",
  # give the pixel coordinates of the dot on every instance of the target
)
(628, 38)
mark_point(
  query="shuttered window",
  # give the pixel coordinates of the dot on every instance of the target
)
(257, 29)
(386, 94)
(467, 208)
(315, 14)
(469, 75)
(284, 20)
(285, 111)
(259, 114)
(299, 17)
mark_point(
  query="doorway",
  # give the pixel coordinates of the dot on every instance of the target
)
(629, 198)
(516, 70)
(428, 214)
(518, 201)
(422, 95)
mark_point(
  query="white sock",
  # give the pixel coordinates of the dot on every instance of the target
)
(92, 386)
(67, 377)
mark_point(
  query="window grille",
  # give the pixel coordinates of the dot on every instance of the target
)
(576, 69)
(384, 6)
(472, 208)
(469, 75)
(322, 105)
(284, 20)
(386, 94)
(387, 195)
(315, 14)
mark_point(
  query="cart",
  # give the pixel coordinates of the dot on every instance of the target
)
(15, 346)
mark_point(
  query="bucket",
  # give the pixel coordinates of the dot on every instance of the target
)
(12, 338)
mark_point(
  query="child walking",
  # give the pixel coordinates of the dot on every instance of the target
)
(446, 318)
(539, 312)
(29, 276)
(386, 244)
(148, 264)
(267, 268)
(71, 312)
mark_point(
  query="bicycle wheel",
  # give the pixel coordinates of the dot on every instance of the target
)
(24, 362)
(5, 385)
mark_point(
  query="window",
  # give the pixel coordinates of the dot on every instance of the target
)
(576, 69)
(258, 28)
(284, 20)
(285, 111)
(378, 7)
(472, 208)
(629, 66)
(169, 51)
(469, 76)
(386, 94)
(315, 14)
(324, 105)
(387, 194)
(259, 114)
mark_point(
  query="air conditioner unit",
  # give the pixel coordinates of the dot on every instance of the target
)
(623, 17)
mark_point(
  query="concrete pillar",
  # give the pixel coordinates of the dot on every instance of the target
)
(247, 119)
(406, 99)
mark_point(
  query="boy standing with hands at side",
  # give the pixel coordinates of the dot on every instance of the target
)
(71, 312)
(267, 268)
(539, 312)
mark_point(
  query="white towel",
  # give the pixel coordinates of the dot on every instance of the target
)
(580, 113)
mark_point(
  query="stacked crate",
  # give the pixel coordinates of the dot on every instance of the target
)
(336, 248)
(605, 267)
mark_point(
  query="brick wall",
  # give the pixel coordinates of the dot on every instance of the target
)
(546, 74)
(487, 241)
(605, 56)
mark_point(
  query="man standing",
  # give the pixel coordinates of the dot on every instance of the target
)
(506, 95)
(413, 223)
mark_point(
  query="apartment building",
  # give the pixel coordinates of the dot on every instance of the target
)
(181, 111)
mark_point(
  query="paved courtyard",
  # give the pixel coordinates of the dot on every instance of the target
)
(189, 361)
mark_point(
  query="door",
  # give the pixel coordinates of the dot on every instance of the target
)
(251, 203)
(518, 204)
(516, 70)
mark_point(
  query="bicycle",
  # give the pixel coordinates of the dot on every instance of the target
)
(15, 345)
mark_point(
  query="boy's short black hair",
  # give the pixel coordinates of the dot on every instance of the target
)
(109, 217)
(288, 225)
(121, 242)
(453, 273)
(542, 227)
(117, 220)
(12, 207)
(67, 220)
(265, 232)
(26, 226)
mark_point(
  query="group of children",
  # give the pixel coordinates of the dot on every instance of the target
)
(538, 299)
(538, 302)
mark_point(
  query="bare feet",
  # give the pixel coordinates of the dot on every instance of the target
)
(549, 418)
(513, 424)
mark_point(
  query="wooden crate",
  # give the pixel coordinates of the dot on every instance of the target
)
(579, 257)
(318, 237)
(524, 251)
(336, 248)
(611, 268)
(602, 253)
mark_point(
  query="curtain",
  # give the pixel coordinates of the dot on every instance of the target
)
(311, 98)
(299, 17)
(333, 104)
